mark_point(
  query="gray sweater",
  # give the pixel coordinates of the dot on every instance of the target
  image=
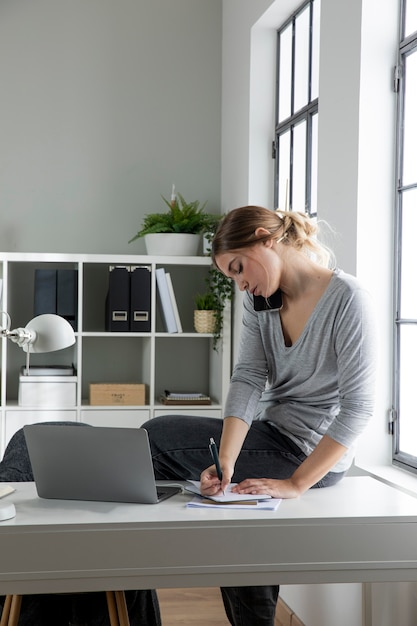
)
(324, 383)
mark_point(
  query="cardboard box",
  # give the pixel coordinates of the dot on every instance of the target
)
(47, 391)
(117, 394)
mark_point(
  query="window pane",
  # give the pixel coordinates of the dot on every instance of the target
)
(295, 173)
(285, 64)
(299, 167)
(284, 171)
(408, 255)
(410, 121)
(301, 74)
(407, 400)
(410, 17)
(313, 191)
(315, 51)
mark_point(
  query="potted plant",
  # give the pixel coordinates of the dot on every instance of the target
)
(205, 313)
(183, 222)
(208, 316)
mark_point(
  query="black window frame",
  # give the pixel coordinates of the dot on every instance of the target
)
(305, 114)
(407, 46)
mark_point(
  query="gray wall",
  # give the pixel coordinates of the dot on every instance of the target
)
(103, 105)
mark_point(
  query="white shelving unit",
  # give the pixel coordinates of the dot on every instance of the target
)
(180, 362)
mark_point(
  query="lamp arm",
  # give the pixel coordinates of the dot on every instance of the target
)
(21, 336)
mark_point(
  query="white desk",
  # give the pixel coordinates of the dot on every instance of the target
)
(358, 531)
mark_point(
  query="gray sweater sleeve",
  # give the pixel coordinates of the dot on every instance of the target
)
(324, 383)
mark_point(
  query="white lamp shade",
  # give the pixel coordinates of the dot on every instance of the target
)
(51, 333)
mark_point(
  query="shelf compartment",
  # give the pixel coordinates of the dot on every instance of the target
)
(182, 366)
(114, 359)
(187, 282)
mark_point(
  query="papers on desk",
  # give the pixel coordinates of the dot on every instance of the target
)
(5, 490)
(255, 505)
(230, 500)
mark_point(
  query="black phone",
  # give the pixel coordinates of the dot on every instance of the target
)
(266, 304)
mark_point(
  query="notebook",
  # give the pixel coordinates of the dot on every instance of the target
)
(93, 463)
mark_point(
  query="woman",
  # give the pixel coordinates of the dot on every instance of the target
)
(302, 389)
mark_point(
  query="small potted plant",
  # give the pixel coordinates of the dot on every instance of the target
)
(205, 312)
(178, 230)
(208, 316)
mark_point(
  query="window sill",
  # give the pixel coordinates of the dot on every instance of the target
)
(392, 476)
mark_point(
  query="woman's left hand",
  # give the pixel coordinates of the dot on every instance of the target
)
(268, 486)
(311, 470)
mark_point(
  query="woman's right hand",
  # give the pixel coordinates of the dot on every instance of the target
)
(210, 484)
(233, 435)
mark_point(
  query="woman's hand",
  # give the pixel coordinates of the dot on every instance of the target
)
(210, 485)
(268, 486)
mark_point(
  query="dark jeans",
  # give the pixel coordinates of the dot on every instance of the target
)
(179, 446)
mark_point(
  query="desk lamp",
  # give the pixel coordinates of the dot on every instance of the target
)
(45, 333)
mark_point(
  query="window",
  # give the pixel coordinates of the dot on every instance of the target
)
(404, 415)
(295, 145)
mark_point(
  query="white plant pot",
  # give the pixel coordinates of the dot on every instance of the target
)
(206, 245)
(172, 244)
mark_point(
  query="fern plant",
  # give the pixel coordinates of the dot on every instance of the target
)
(182, 217)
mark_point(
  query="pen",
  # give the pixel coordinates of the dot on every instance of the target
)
(215, 455)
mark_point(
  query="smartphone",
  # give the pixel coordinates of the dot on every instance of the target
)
(265, 304)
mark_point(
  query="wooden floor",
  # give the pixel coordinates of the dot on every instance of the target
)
(192, 607)
(204, 607)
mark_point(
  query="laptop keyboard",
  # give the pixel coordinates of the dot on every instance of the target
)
(163, 493)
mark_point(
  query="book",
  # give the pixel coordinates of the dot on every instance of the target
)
(173, 301)
(172, 398)
(48, 370)
(165, 301)
(174, 402)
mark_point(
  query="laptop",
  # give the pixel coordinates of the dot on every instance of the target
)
(93, 463)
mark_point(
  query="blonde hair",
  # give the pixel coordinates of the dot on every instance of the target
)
(236, 230)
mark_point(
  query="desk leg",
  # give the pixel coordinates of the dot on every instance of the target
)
(112, 608)
(366, 604)
(11, 610)
(15, 610)
(6, 610)
(116, 604)
(122, 608)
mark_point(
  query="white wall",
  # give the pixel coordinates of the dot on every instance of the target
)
(248, 64)
(104, 104)
(356, 169)
(355, 181)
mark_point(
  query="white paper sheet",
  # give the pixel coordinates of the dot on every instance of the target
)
(230, 499)
(5, 490)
